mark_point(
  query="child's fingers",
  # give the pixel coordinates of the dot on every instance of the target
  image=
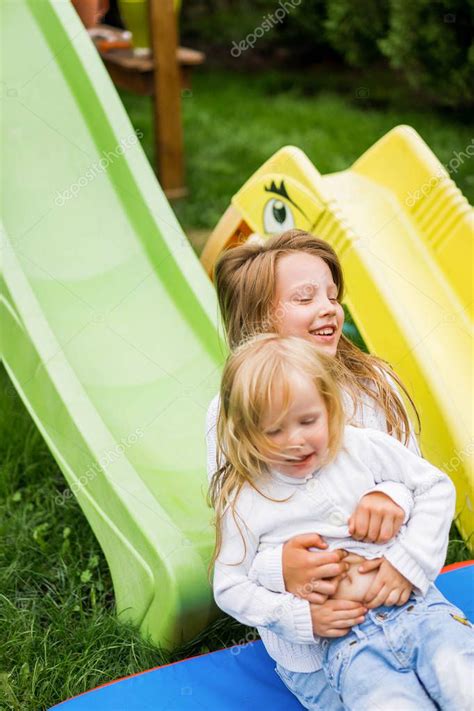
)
(350, 524)
(336, 633)
(350, 622)
(387, 529)
(369, 565)
(393, 597)
(331, 570)
(379, 598)
(361, 524)
(317, 560)
(326, 586)
(375, 588)
(347, 615)
(374, 527)
(316, 598)
(339, 605)
(404, 597)
(309, 540)
(398, 521)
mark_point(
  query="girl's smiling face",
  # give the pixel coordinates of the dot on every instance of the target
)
(306, 302)
(301, 437)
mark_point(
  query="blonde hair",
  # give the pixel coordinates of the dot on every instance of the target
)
(245, 279)
(248, 384)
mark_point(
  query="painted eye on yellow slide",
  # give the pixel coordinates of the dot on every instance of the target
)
(277, 216)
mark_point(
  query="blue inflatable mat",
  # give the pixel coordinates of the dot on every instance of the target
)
(234, 679)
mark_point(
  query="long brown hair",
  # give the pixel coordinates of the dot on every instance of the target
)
(245, 279)
(251, 374)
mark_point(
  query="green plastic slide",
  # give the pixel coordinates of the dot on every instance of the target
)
(109, 322)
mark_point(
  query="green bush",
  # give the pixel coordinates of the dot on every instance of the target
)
(303, 31)
(219, 23)
(431, 41)
(354, 29)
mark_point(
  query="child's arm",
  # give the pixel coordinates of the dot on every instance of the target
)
(293, 568)
(249, 603)
(291, 618)
(419, 551)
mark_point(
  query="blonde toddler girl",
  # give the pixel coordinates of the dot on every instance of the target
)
(289, 462)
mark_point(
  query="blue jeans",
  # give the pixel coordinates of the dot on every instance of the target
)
(416, 657)
(311, 689)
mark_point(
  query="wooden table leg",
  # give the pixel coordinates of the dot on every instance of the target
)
(167, 99)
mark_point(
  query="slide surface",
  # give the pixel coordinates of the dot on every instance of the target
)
(408, 258)
(404, 234)
(109, 329)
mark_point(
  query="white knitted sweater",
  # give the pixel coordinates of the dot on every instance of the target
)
(267, 566)
(323, 502)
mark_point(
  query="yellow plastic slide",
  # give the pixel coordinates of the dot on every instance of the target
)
(404, 233)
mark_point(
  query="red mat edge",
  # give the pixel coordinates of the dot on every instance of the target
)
(446, 569)
(454, 566)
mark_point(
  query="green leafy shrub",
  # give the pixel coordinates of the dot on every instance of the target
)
(354, 29)
(219, 23)
(303, 31)
(431, 41)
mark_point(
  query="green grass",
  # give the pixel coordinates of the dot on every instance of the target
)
(59, 633)
(234, 122)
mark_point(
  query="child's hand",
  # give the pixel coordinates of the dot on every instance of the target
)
(377, 519)
(310, 574)
(389, 586)
(335, 618)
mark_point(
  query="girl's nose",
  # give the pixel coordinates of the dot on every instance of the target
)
(327, 307)
(295, 439)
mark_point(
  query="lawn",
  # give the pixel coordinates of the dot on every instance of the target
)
(59, 632)
(234, 122)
